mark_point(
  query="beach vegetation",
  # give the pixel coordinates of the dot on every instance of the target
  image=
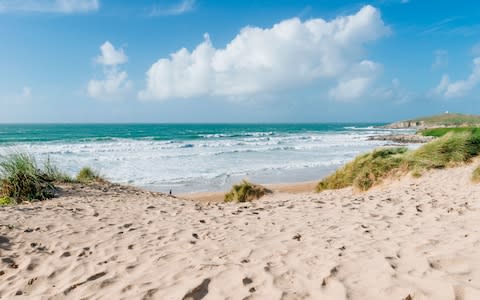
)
(450, 119)
(246, 191)
(6, 201)
(439, 132)
(54, 173)
(88, 175)
(365, 170)
(372, 168)
(22, 180)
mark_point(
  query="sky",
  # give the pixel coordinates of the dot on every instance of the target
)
(195, 61)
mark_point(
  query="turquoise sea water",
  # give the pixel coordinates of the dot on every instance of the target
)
(161, 132)
(194, 157)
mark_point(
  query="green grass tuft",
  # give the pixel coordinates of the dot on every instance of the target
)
(22, 180)
(87, 175)
(54, 174)
(370, 169)
(4, 201)
(245, 191)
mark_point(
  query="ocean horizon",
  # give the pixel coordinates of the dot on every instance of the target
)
(195, 157)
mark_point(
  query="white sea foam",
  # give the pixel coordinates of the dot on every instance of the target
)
(211, 163)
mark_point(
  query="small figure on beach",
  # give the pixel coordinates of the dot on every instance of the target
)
(170, 192)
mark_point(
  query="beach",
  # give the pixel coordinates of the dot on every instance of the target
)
(239, 150)
(408, 238)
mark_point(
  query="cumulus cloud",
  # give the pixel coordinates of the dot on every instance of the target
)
(183, 7)
(459, 88)
(395, 93)
(356, 82)
(49, 6)
(115, 84)
(290, 54)
(111, 56)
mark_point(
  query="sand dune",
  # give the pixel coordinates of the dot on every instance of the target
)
(408, 239)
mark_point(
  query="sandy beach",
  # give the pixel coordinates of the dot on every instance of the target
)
(406, 239)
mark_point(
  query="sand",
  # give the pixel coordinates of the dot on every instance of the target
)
(407, 239)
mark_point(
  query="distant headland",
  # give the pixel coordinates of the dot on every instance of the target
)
(442, 120)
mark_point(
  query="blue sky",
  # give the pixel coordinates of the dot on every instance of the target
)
(237, 61)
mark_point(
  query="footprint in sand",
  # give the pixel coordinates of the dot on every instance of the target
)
(198, 292)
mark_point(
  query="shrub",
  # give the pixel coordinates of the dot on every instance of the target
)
(87, 175)
(246, 191)
(22, 180)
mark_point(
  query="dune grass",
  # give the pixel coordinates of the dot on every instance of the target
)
(4, 201)
(54, 173)
(365, 170)
(372, 168)
(22, 180)
(88, 175)
(245, 191)
(439, 132)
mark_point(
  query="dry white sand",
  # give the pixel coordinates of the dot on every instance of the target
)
(408, 239)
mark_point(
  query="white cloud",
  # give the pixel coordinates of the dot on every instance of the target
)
(459, 88)
(114, 86)
(111, 56)
(290, 54)
(441, 59)
(116, 83)
(356, 82)
(395, 93)
(49, 6)
(183, 7)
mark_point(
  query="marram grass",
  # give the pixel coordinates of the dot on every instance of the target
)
(22, 180)
(372, 168)
(54, 173)
(245, 191)
(6, 201)
(87, 175)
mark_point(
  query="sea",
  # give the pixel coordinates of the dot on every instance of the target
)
(188, 158)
